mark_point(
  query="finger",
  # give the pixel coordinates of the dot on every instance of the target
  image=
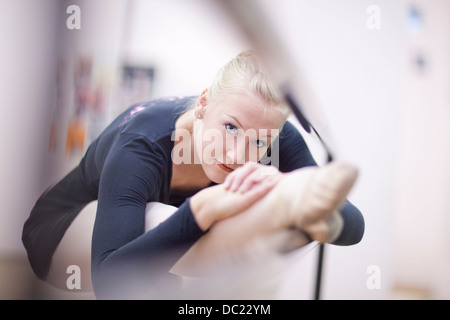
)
(229, 180)
(257, 192)
(253, 178)
(230, 177)
(240, 175)
(268, 174)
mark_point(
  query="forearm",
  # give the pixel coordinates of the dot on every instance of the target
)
(124, 267)
(353, 226)
(201, 207)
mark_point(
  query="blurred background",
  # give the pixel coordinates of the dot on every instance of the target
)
(379, 72)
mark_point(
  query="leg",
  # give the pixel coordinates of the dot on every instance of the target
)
(304, 200)
(51, 216)
(74, 249)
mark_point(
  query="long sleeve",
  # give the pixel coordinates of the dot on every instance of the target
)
(294, 154)
(123, 256)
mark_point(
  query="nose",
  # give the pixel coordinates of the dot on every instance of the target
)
(235, 153)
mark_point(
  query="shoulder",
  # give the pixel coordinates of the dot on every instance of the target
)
(293, 151)
(156, 118)
(290, 131)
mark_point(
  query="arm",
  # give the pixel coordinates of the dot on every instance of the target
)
(123, 256)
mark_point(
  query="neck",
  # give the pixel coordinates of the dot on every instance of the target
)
(187, 176)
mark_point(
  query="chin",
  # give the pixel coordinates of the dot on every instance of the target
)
(214, 174)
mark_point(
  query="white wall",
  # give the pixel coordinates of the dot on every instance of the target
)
(28, 34)
(186, 41)
(422, 240)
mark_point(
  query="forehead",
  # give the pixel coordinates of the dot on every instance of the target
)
(250, 110)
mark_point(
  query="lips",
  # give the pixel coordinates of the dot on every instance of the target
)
(224, 167)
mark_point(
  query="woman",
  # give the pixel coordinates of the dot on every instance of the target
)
(172, 152)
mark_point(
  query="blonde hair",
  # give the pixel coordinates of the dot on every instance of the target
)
(245, 72)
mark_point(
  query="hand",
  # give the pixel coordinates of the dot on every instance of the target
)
(216, 203)
(250, 175)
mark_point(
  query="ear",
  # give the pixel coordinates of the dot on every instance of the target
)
(202, 100)
(201, 104)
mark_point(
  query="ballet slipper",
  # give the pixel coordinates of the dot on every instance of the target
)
(310, 198)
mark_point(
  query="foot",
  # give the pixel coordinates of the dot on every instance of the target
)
(311, 197)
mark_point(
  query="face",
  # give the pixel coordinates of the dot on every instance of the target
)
(228, 133)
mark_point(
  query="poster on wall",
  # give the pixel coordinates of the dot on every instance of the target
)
(82, 90)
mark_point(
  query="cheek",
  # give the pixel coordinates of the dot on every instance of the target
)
(213, 144)
(197, 144)
(255, 154)
(214, 173)
(208, 146)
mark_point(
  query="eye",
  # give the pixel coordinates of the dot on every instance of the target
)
(230, 128)
(259, 143)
